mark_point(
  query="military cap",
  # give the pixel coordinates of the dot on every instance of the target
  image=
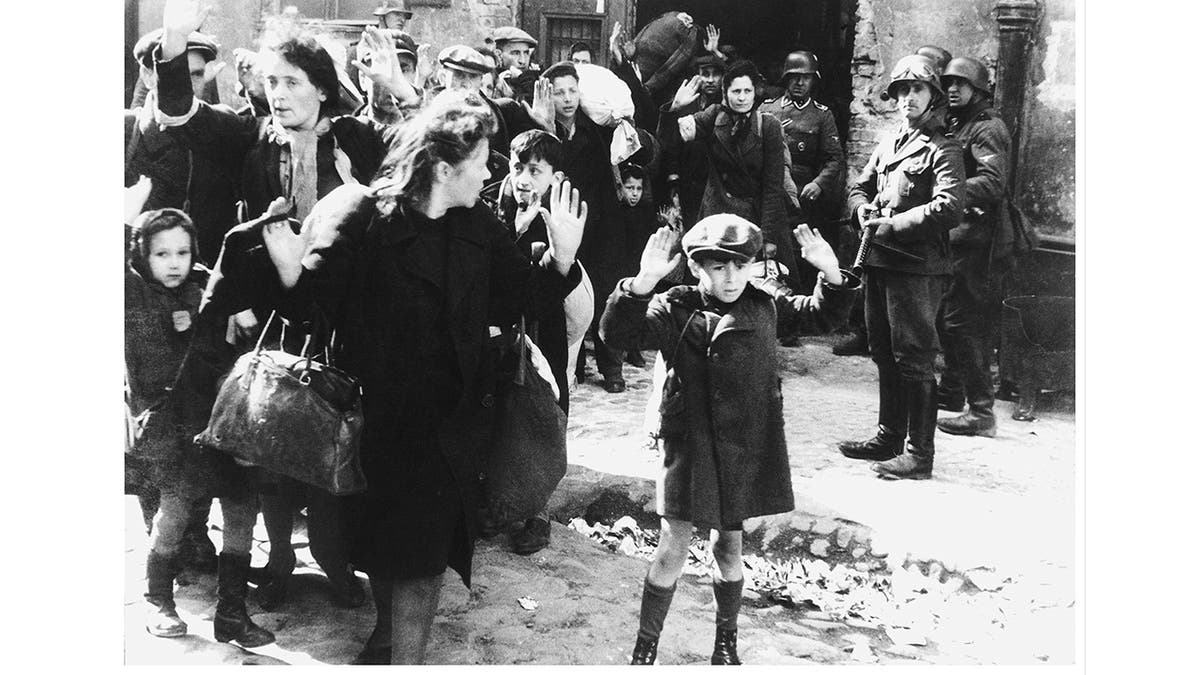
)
(708, 60)
(462, 57)
(144, 50)
(724, 236)
(512, 34)
(393, 6)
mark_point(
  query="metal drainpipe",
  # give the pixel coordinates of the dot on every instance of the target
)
(1017, 20)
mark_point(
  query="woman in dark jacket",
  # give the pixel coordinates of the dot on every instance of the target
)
(745, 150)
(910, 195)
(295, 156)
(417, 274)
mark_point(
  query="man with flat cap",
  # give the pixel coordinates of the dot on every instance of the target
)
(391, 110)
(518, 71)
(463, 69)
(815, 151)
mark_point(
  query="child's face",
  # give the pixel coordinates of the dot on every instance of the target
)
(631, 189)
(725, 280)
(531, 179)
(170, 257)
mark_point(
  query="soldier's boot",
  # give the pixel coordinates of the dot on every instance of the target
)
(161, 617)
(888, 442)
(917, 462)
(979, 420)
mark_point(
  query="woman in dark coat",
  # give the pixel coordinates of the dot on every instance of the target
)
(745, 150)
(416, 274)
(910, 195)
(295, 156)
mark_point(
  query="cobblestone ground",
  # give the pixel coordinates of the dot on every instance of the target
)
(981, 557)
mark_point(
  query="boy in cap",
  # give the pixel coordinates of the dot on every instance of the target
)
(724, 454)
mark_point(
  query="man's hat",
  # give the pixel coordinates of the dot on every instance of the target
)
(723, 236)
(405, 45)
(143, 51)
(393, 6)
(708, 60)
(462, 57)
(512, 34)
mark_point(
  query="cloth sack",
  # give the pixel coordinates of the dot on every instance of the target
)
(607, 101)
(291, 415)
(529, 451)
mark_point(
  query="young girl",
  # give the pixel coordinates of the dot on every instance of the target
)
(724, 454)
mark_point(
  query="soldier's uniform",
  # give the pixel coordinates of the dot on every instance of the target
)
(915, 178)
(981, 249)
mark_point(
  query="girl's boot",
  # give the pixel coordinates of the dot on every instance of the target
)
(656, 601)
(231, 623)
(161, 619)
(729, 603)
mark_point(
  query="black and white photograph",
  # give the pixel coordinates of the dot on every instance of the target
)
(603, 332)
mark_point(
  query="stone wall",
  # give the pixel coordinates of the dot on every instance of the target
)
(236, 24)
(889, 29)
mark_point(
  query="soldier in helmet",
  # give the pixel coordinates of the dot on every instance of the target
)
(908, 198)
(392, 14)
(938, 55)
(813, 148)
(981, 248)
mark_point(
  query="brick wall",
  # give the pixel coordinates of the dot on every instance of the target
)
(888, 29)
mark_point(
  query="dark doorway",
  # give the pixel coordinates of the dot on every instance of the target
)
(764, 31)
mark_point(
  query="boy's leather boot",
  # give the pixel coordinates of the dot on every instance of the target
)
(725, 648)
(231, 623)
(161, 618)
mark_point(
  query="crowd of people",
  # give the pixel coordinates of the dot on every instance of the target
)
(424, 206)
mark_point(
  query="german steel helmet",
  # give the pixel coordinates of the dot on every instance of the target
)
(800, 63)
(915, 68)
(971, 70)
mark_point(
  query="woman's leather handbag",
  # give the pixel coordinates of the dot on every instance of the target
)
(291, 415)
(529, 452)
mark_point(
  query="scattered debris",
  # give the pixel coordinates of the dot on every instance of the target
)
(527, 603)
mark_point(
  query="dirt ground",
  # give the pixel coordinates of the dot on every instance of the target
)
(976, 565)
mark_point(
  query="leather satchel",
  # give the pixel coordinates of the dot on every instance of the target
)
(291, 415)
(529, 451)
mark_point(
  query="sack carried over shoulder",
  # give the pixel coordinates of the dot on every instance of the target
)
(291, 415)
(529, 452)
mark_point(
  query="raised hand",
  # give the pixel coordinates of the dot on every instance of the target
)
(135, 198)
(713, 39)
(657, 261)
(818, 253)
(542, 110)
(180, 19)
(688, 93)
(285, 247)
(614, 43)
(564, 224)
(424, 63)
(669, 216)
(384, 70)
(525, 215)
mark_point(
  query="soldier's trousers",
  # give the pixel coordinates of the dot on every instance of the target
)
(967, 324)
(901, 313)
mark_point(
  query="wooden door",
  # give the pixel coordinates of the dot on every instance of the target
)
(558, 24)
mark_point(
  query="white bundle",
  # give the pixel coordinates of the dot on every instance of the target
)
(607, 101)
